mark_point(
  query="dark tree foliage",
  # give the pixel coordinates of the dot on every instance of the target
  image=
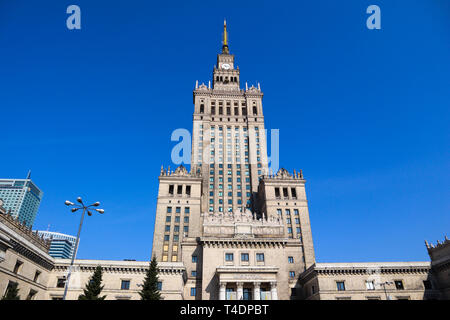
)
(93, 287)
(150, 287)
(12, 293)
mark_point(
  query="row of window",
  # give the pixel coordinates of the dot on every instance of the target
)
(228, 110)
(124, 284)
(285, 191)
(18, 266)
(370, 285)
(179, 190)
(229, 257)
(178, 210)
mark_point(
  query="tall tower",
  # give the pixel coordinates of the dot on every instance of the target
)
(229, 140)
(239, 232)
(21, 198)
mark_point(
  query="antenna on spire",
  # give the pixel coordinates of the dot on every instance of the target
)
(225, 38)
(29, 174)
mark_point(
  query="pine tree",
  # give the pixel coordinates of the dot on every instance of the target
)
(12, 293)
(150, 287)
(93, 287)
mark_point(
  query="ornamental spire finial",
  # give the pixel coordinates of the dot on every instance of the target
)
(225, 38)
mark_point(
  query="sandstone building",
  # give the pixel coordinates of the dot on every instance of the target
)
(240, 231)
(226, 229)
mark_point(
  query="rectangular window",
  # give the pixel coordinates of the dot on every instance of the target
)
(60, 283)
(168, 218)
(370, 285)
(290, 259)
(125, 285)
(17, 266)
(188, 190)
(186, 219)
(285, 193)
(179, 189)
(194, 259)
(292, 274)
(178, 210)
(228, 257)
(399, 284)
(159, 285)
(193, 292)
(340, 285)
(277, 193)
(169, 209)
(186, 210)
(193, 273)
(36, 275)
(31, 294)
(171, 189)
(244, 257)
(294, 193)
(260, 257)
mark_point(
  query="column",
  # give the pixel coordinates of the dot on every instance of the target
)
(222, 292)
(256, 291)
(240, 290)
(273, 290)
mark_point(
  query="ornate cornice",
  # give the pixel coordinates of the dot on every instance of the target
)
(29, 254)
(243, 243)
(25, 231)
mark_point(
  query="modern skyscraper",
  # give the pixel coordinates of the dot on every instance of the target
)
(61, 245)
(240, 232)
(21, 198)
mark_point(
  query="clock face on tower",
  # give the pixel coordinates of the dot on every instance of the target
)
(225, 66)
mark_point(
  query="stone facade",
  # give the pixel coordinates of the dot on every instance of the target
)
(24, 259)
(227, 229)
(225, 219)
(368, 281)
(122, 280)
(440, 265)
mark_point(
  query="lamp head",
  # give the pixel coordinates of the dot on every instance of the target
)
(74, 209)
(79, 200)
(100, 211)
(96, 204)
(68, 203)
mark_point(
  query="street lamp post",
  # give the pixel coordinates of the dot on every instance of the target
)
(383, 284)
(75, 208)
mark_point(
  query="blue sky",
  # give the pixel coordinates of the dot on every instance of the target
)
(363, 112)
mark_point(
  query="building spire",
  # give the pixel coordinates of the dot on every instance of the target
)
(225, 49)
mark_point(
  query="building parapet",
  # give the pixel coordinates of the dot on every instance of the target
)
(241, 225)
(116, 266)
(24, 231)
(367, 268)
(181, 171)
(283, 174)
(439, 253)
